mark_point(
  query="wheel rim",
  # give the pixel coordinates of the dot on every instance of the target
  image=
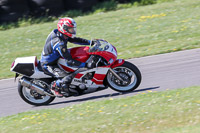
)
(115, 83)
(33, 96)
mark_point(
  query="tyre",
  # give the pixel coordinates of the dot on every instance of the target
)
(129, 73)
(32, 97)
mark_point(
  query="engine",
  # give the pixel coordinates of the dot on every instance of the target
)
(96, 61)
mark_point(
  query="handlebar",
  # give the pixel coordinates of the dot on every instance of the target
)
(95, 46)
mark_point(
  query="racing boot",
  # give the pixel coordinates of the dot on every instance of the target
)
(69, 91)
(55, 88)
(66, 82)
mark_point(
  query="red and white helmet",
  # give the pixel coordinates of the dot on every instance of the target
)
(67, 26)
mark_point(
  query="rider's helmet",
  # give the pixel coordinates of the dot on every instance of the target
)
(67, 26)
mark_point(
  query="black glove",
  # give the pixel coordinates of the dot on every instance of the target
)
(93, 42)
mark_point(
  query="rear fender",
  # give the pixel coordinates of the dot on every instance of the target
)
(24, 65)
(117, 63)
(28, 66)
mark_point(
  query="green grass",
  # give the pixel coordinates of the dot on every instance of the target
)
(109, 5)
(135, 31)
(174, 111)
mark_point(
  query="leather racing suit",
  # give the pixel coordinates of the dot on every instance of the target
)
(56, 47)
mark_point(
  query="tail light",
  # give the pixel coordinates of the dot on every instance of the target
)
(13, 64)
(36, 63)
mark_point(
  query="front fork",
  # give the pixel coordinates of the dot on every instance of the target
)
(117, 63)
(114, 73)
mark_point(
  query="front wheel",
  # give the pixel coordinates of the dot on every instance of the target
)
(129, 73)
(32, 97)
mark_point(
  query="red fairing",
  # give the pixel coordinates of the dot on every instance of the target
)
(98, 78)
(13, 64)
(118, 62)
(97, 82)
(80, 53)
(78, 76)
(66, 68)
(105, 54)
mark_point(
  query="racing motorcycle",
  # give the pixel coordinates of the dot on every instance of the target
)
(106, 71)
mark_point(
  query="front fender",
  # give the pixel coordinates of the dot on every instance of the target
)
(118, 62)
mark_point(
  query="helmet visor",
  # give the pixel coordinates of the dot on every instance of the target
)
(71, 30)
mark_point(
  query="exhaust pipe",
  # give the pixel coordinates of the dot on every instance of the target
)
(35, 87)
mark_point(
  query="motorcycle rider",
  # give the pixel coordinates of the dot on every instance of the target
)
(56, 47)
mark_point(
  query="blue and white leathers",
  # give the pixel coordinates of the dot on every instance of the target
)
(56, 47)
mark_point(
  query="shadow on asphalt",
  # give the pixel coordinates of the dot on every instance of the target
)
(102, 96)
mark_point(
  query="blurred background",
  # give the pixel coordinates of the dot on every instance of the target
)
(12, 10)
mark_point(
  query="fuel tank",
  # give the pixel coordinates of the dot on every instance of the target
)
(80, 53)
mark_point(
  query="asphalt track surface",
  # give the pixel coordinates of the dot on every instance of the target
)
(159, 72)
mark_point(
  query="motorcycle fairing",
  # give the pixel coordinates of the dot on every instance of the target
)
(95, 82)
(109, 52)
(80, 53)
(63, 65)
(118, 62)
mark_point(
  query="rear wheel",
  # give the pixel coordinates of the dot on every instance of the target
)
(32, 97)
(129, 73)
